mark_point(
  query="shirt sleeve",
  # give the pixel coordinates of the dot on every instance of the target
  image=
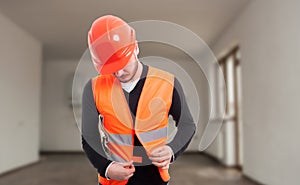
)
(91, 142)
(184, 121)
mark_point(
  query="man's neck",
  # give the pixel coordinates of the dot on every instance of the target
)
(138, 71)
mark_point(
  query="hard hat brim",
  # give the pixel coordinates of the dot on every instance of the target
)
(112, 65)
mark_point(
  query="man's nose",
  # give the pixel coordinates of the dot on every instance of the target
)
(119, 73)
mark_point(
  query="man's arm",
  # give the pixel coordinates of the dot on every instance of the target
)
(162, 156)
(91, 142)
(184, 121)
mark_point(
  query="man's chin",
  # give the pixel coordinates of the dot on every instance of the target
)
(125, 80)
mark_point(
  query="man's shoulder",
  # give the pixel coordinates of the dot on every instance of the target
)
(107, 76)
(103, 79)
(153, 71)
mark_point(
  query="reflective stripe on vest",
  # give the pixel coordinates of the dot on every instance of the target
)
(151, 119)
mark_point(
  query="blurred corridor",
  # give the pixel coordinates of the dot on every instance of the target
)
(254, 61)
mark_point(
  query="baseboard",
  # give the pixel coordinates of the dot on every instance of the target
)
(61, 152)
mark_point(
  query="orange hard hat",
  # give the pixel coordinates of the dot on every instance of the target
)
(112, 43)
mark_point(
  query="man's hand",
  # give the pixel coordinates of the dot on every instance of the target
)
(120, 171)
(161, 156)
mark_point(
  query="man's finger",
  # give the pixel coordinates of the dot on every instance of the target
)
(129, 172)
(161, 164)
(157, 150)
(165, 167)
(127, 177)
(160, 154)
(162, 158)
(127, 164)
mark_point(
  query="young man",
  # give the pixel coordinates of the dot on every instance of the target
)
(133, 102)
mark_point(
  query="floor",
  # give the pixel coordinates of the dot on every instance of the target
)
(74, 169)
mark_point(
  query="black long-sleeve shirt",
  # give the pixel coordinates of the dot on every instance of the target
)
(91, 136)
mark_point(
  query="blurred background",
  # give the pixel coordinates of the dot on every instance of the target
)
(257, 46)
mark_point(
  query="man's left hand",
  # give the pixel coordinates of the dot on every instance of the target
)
(161, 156)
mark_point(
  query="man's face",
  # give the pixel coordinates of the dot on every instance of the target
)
(128, 72)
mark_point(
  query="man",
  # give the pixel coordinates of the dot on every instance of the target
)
(133, 102)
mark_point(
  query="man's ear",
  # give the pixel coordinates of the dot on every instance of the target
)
(136, 50)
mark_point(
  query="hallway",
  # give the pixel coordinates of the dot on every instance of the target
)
(74, 169)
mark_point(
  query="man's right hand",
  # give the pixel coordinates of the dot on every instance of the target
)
(120, 171)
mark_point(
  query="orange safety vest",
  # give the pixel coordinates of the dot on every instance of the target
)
(151, 121)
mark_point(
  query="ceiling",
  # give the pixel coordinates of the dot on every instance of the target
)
(62, 25)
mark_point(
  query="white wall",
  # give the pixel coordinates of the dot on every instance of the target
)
(59, 131)
(268, 33)
(20, 80)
